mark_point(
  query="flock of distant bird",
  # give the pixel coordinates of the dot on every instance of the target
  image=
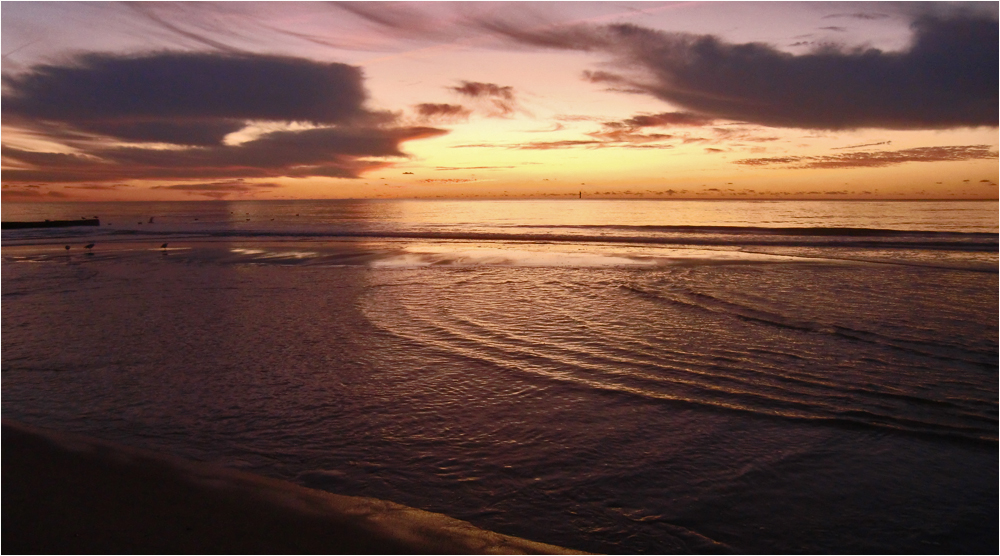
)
(90, 246)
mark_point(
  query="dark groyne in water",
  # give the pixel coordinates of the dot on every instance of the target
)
(50, 224)
(64, 493)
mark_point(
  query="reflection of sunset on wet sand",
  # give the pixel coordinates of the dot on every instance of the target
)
(611, 100)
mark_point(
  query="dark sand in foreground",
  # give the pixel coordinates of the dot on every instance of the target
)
(69, 494)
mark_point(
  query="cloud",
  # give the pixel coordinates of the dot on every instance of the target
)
(621, 84)
(442, 112)
(863, 145)
(858, 15)
(148, 11)
(628, 135)
(548, 145)
(29, 193)
(449, 180)
(220, 189)
(878, 159)
(475, 89)
(499, 100)
(473, 167)
(399, 17)
(118, 112)
(575, 118)
(946, 78)
(173, 92)
(604, 77)
(329, 152)
(98, 186)
(663, 119)
(638, 141)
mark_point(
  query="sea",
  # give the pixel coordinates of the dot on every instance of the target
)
(617, 376)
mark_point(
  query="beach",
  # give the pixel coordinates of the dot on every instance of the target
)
(712, 386)
(69, 494)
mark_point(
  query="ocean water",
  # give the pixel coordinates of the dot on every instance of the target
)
(611, 376)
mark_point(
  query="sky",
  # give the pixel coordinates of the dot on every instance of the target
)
(279, 100)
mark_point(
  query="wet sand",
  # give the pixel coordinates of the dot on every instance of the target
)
(64, 493)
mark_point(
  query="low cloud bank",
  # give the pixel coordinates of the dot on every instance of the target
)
(168, 115)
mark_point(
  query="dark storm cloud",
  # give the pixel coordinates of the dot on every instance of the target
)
(877, 159)
(193, 101)
(946, 78)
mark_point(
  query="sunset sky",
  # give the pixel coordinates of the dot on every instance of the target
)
(654, 99)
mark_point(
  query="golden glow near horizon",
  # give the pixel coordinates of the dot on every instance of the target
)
(512, 115)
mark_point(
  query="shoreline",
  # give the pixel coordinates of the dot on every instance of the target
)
(65, 493)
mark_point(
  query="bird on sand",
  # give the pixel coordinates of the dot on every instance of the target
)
(67, 247)
(164, 246)
(89, 246)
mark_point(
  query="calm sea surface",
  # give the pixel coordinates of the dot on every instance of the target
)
(612, 376)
